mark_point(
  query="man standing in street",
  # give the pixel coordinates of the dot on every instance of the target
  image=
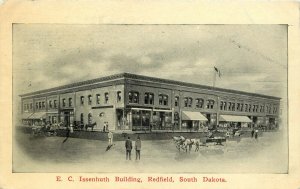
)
(128, 146)
(252, 133)
(110, 138)
(138, 146)
(256, 134)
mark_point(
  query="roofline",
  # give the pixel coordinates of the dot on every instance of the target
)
(136, 76)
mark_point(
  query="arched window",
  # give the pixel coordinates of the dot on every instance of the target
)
(176, 100)
(133, 97)
(149, 98)
(70, 102)
(199, 103)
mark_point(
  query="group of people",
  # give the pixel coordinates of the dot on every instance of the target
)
(128, 146)
(105, 127)
(138, 147)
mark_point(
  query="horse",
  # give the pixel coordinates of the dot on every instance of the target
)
(178, 140)
(92, 125)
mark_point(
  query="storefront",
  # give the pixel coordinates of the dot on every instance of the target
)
(26, 119)
(162, 120)
(38, 118)
(52, 117)
(191, 121)
(141, 119)
(67, 117)
(234, 121)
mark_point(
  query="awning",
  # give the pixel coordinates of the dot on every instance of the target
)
(26, 115)
(38, 115)
(52, 112)
(197, 116)
(233, 118)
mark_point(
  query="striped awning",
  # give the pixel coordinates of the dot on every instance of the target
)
(38, 115)
(234, 118)
(26, 115)
(195, 116)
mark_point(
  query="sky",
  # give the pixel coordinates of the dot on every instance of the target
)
(251, 58)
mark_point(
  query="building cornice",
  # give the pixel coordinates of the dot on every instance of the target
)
(130, 76)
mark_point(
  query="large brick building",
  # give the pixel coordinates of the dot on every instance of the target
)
(133, 102)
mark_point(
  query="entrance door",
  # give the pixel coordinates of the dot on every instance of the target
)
(162, 120)
(67, 118)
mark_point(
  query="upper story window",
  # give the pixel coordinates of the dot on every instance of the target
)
(233, 106)
(221, 105)
(70, 102)
(43, 105)
(188, 102)
(176, 101)
(36, 105)
(40, 105)
(149, 98)
(25, 107)
(261, 108)
(50, 103)
(210, 104)
(64, 102)
(238, 106)
(119, 96)
(250, 107)
(30, 106)
(82, 100)
(185, 101)
(163, 99)
(242, 106)
(106, 98)
(133, 97)
(55, 103)
(98, 98)
(199, 103)
(89, 99)
(229, 106)
(225, 106)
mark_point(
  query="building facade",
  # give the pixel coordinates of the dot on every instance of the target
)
(129, 102)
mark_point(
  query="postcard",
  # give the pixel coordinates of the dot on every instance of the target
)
(143, 95)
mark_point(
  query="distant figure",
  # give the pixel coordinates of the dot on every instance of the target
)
(104, 127)
(138, 146)
(210, 135)
(256, 134)
(227, 134)
(107, 127)
(110, 138)
(128, 146)
(252, 133)
(197, 143)
(67, 134)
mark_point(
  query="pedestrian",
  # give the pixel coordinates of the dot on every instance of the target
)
(128, 146)
(104, 127)
(197, 143)
(227, 134)
(138, 146)
(107, 127)
(67, 134)
(252, 133)
(256, 134)
(110, 138)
